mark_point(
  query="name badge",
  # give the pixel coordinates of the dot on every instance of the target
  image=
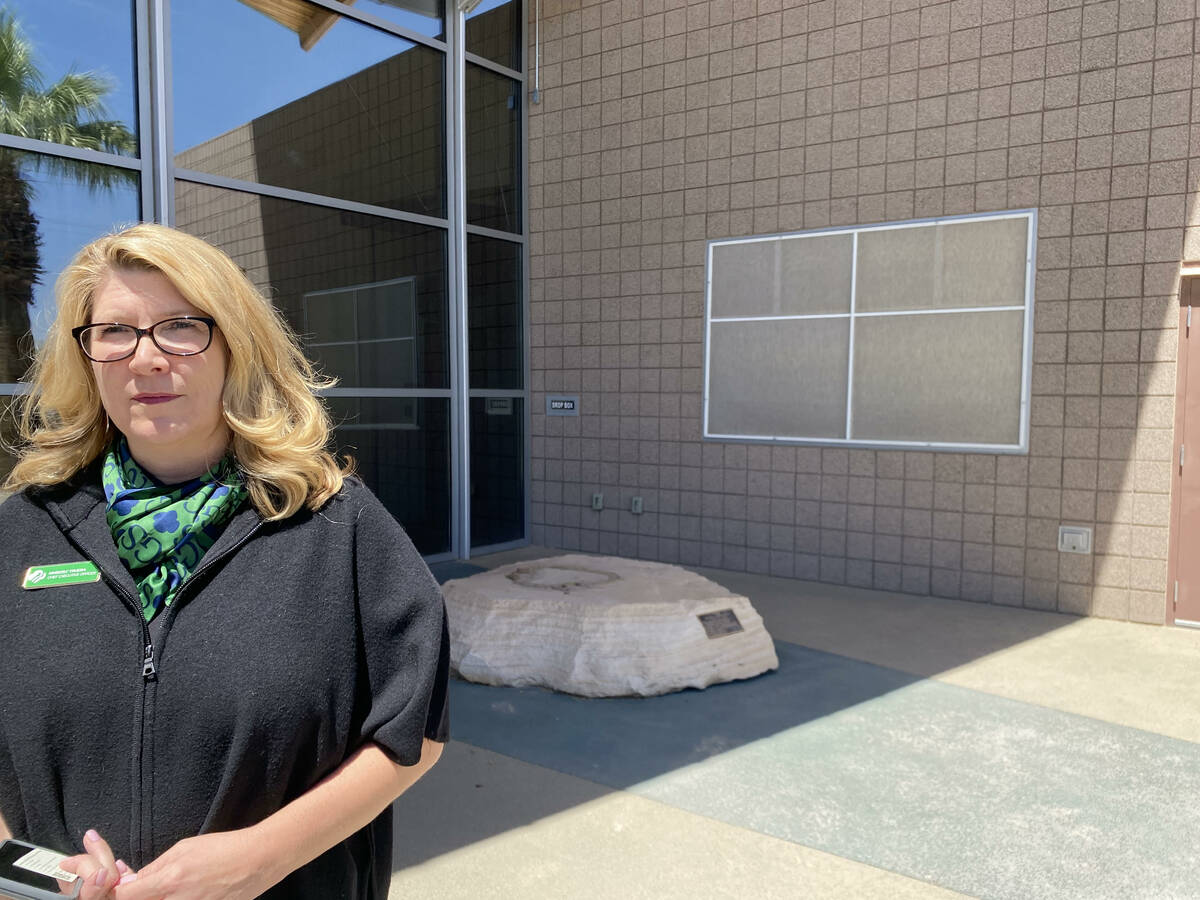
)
(60, 575)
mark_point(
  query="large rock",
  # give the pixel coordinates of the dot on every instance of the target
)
(601, 626)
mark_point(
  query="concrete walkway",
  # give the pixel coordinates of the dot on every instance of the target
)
(906, 747)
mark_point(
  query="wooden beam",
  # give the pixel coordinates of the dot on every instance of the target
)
(308, 21)
(318, 23)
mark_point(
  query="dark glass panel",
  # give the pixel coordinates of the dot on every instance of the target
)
(367, 294)
(401, 446)
(493, 150)
(81, 51)
(494, 32)
(494, 313)
(8, 438)
(49, 208)
(497, 470)
(366, 334)
(358, 116)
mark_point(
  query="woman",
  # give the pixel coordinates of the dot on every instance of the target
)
(246, 663)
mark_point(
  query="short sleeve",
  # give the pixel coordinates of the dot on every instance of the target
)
(405, 645)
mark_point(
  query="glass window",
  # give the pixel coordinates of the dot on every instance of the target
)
(49, 208)
(493, 150)
(401, 447)
(422, 16)
(71, 75)
(365, 334)
(8, 438)
(495, 340)
(494, 32)
(910, 333)
(357, 116)
(762, 376)
(955, 379)
(802, 275)
(367, 294)
(497, 470)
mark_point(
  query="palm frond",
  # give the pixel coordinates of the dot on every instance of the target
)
(79, 93)
(71, 112)
(94, 177)
(110, 136)
(19, 75)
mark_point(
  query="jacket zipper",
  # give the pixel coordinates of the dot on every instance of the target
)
(148, 675)
(149, 671)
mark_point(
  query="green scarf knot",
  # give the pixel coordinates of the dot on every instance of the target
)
(162, 531)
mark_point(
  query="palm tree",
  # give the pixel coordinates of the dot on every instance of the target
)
(70, 111)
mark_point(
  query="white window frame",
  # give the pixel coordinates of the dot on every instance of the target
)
(1022, 445)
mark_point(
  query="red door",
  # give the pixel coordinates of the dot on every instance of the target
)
(1183, 587)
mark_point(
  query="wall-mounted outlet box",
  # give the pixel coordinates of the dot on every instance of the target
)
(635, 506)
(597, 501)
(1074, 539)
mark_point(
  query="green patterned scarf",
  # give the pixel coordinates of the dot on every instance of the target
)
(162, 531)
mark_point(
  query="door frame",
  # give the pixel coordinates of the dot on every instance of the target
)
(1189, 294)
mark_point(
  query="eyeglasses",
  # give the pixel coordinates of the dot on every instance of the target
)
(113, 341)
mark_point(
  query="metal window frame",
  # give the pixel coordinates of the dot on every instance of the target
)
(522, 239)
(1019, 448)
(282, 193)
(456, 176)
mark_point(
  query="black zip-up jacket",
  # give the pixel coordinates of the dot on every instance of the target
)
(291, 644)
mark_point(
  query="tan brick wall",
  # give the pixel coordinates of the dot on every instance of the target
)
(664, 125)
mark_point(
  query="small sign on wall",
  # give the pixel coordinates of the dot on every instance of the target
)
(562, 406)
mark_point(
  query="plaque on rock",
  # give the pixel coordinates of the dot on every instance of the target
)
(720, 623)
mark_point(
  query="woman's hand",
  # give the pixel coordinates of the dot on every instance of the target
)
(242, 864)
(97, 869)
(200, 868)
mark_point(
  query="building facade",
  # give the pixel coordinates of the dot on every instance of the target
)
(665, 126)
(475, 218)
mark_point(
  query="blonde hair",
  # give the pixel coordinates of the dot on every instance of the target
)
(279, 427)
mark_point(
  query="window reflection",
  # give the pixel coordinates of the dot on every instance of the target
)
(67, 73)
(422, 16)
(49, 208)
(365, 334)
(401, 446)
(8, 436)
(494, 341)
(493, 150)
(497, 470)
(494, 32)
(357, 116)
(367, 294)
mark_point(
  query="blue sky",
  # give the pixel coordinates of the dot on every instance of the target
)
(231, 67)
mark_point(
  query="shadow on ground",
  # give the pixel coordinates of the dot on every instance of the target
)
(612, 744)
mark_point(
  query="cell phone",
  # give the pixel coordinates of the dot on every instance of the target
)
(27, 872)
